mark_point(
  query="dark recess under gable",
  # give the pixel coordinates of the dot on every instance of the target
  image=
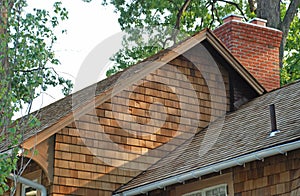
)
(240, 91)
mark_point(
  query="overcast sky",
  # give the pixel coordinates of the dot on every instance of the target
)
(88, 25)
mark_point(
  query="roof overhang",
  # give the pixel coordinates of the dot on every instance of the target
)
(258, 155)
(160, 59)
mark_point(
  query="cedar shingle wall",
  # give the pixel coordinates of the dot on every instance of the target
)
(78, 172)
(125, 135)
(277, 175)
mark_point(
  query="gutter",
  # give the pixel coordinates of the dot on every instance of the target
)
(29, 183)
(258, 155)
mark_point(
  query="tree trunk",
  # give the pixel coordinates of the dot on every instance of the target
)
(285, 24)
(270, 10)
(4, 73)
(3, 24)
(5, 7)
(252, 5)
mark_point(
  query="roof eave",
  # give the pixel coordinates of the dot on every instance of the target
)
(258, 155)
(156, 63)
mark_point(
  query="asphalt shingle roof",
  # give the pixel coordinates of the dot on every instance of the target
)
(241, 132)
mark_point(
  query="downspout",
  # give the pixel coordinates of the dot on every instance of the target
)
(26, 181)
(30, 183)
(258, 155)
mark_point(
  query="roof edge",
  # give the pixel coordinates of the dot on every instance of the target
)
(229, 57)
(164, 57)
(258, 155)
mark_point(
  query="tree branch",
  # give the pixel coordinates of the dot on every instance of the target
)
(29, 70)
(178, 20)
(284, 25)
(218, 17)
(252, 5)
(180, 12)
(289, 16)
(212, 14)
(237, 7)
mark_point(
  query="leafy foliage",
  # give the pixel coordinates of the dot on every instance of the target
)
(291, 69)
(187, 17)
(173, 21)
(141, 43)
(26, 70)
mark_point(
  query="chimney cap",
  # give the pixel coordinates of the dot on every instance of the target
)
(258, 21)
(232, 17)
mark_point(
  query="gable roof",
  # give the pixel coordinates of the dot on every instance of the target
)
(244, 132)
(60, 113)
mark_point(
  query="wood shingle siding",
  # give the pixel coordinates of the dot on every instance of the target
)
(277, 175)
(78, 172)
(59, 114)
(108, 133)
(125, 135)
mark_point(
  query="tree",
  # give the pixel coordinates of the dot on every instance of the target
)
(291, 69)
(275, 12)
(188, 16)
(26, 71)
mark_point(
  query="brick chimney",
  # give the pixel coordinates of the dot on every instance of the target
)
(255, 46)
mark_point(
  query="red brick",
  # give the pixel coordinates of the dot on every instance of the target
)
(260, 48)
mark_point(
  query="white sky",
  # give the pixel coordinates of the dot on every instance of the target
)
(88, 25)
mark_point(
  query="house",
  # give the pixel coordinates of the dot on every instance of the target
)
(191, 120)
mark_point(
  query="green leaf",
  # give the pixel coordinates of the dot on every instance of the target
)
(27, 49)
